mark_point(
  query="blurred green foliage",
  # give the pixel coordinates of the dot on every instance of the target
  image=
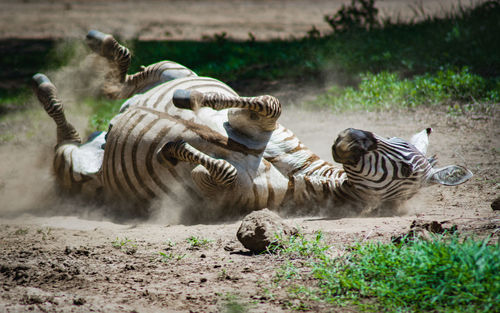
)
(103, 111)
(466, 37)
(452, 59)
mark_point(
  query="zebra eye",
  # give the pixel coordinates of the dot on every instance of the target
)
(406, 170)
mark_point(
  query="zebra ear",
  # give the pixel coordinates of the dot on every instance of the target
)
(421, 140)
(451, 175)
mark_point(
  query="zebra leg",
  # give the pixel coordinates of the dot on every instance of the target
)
(47, 95)
(67, 169)
(211, 174)
(124, 86)
(117, 55)
(262, 111)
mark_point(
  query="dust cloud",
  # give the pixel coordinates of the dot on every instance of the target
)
(26, 181)
(28, 186)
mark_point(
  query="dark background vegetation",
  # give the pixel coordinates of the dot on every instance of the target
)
(455, 57)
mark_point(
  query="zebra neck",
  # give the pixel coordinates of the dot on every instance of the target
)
(322, 190)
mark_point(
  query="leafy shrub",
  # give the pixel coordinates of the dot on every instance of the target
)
(360, 14)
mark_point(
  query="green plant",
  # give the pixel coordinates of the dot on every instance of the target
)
(443, 274)
(299, 246)
(125, 245)
(198, 242)
(170, 244)
(21, 231)
(46, 233)
(223, 275)
(219, 38)
(167, 257)
(14, 100)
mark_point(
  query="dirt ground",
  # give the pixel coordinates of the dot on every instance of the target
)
(187, 19)
(60, 255)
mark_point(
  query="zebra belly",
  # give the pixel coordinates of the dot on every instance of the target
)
(132, 172)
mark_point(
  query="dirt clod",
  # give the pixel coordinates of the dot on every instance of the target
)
(79, 301)
(259, 229)
(423, 229)
(36, 296)
(495, 205)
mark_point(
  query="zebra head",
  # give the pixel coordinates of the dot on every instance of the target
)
(391, 169)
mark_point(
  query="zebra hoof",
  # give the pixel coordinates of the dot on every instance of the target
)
(44, 89)
(182, 99)
(95, 40)
(40, 79)
(187, 99)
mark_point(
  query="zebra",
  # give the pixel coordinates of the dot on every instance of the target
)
(191, 139)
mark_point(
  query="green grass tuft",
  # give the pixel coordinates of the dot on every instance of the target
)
(198, 242)
(103, 111)
(125, 245)
(169, 256)
(386, 90)
(443, 275)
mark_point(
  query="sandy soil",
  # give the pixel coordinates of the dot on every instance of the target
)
(186, 19)
(58, 255)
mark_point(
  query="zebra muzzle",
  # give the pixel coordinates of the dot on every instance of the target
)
(351, 144)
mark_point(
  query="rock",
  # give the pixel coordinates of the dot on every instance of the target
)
(258, 230)
(495, 205)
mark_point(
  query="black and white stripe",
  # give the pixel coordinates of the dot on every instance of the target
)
(180, 137)
(394, 171)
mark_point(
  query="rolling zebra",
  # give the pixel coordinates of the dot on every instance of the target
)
(192, 140)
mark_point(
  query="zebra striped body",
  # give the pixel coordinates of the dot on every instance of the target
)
(193, 141)
(132, 170)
